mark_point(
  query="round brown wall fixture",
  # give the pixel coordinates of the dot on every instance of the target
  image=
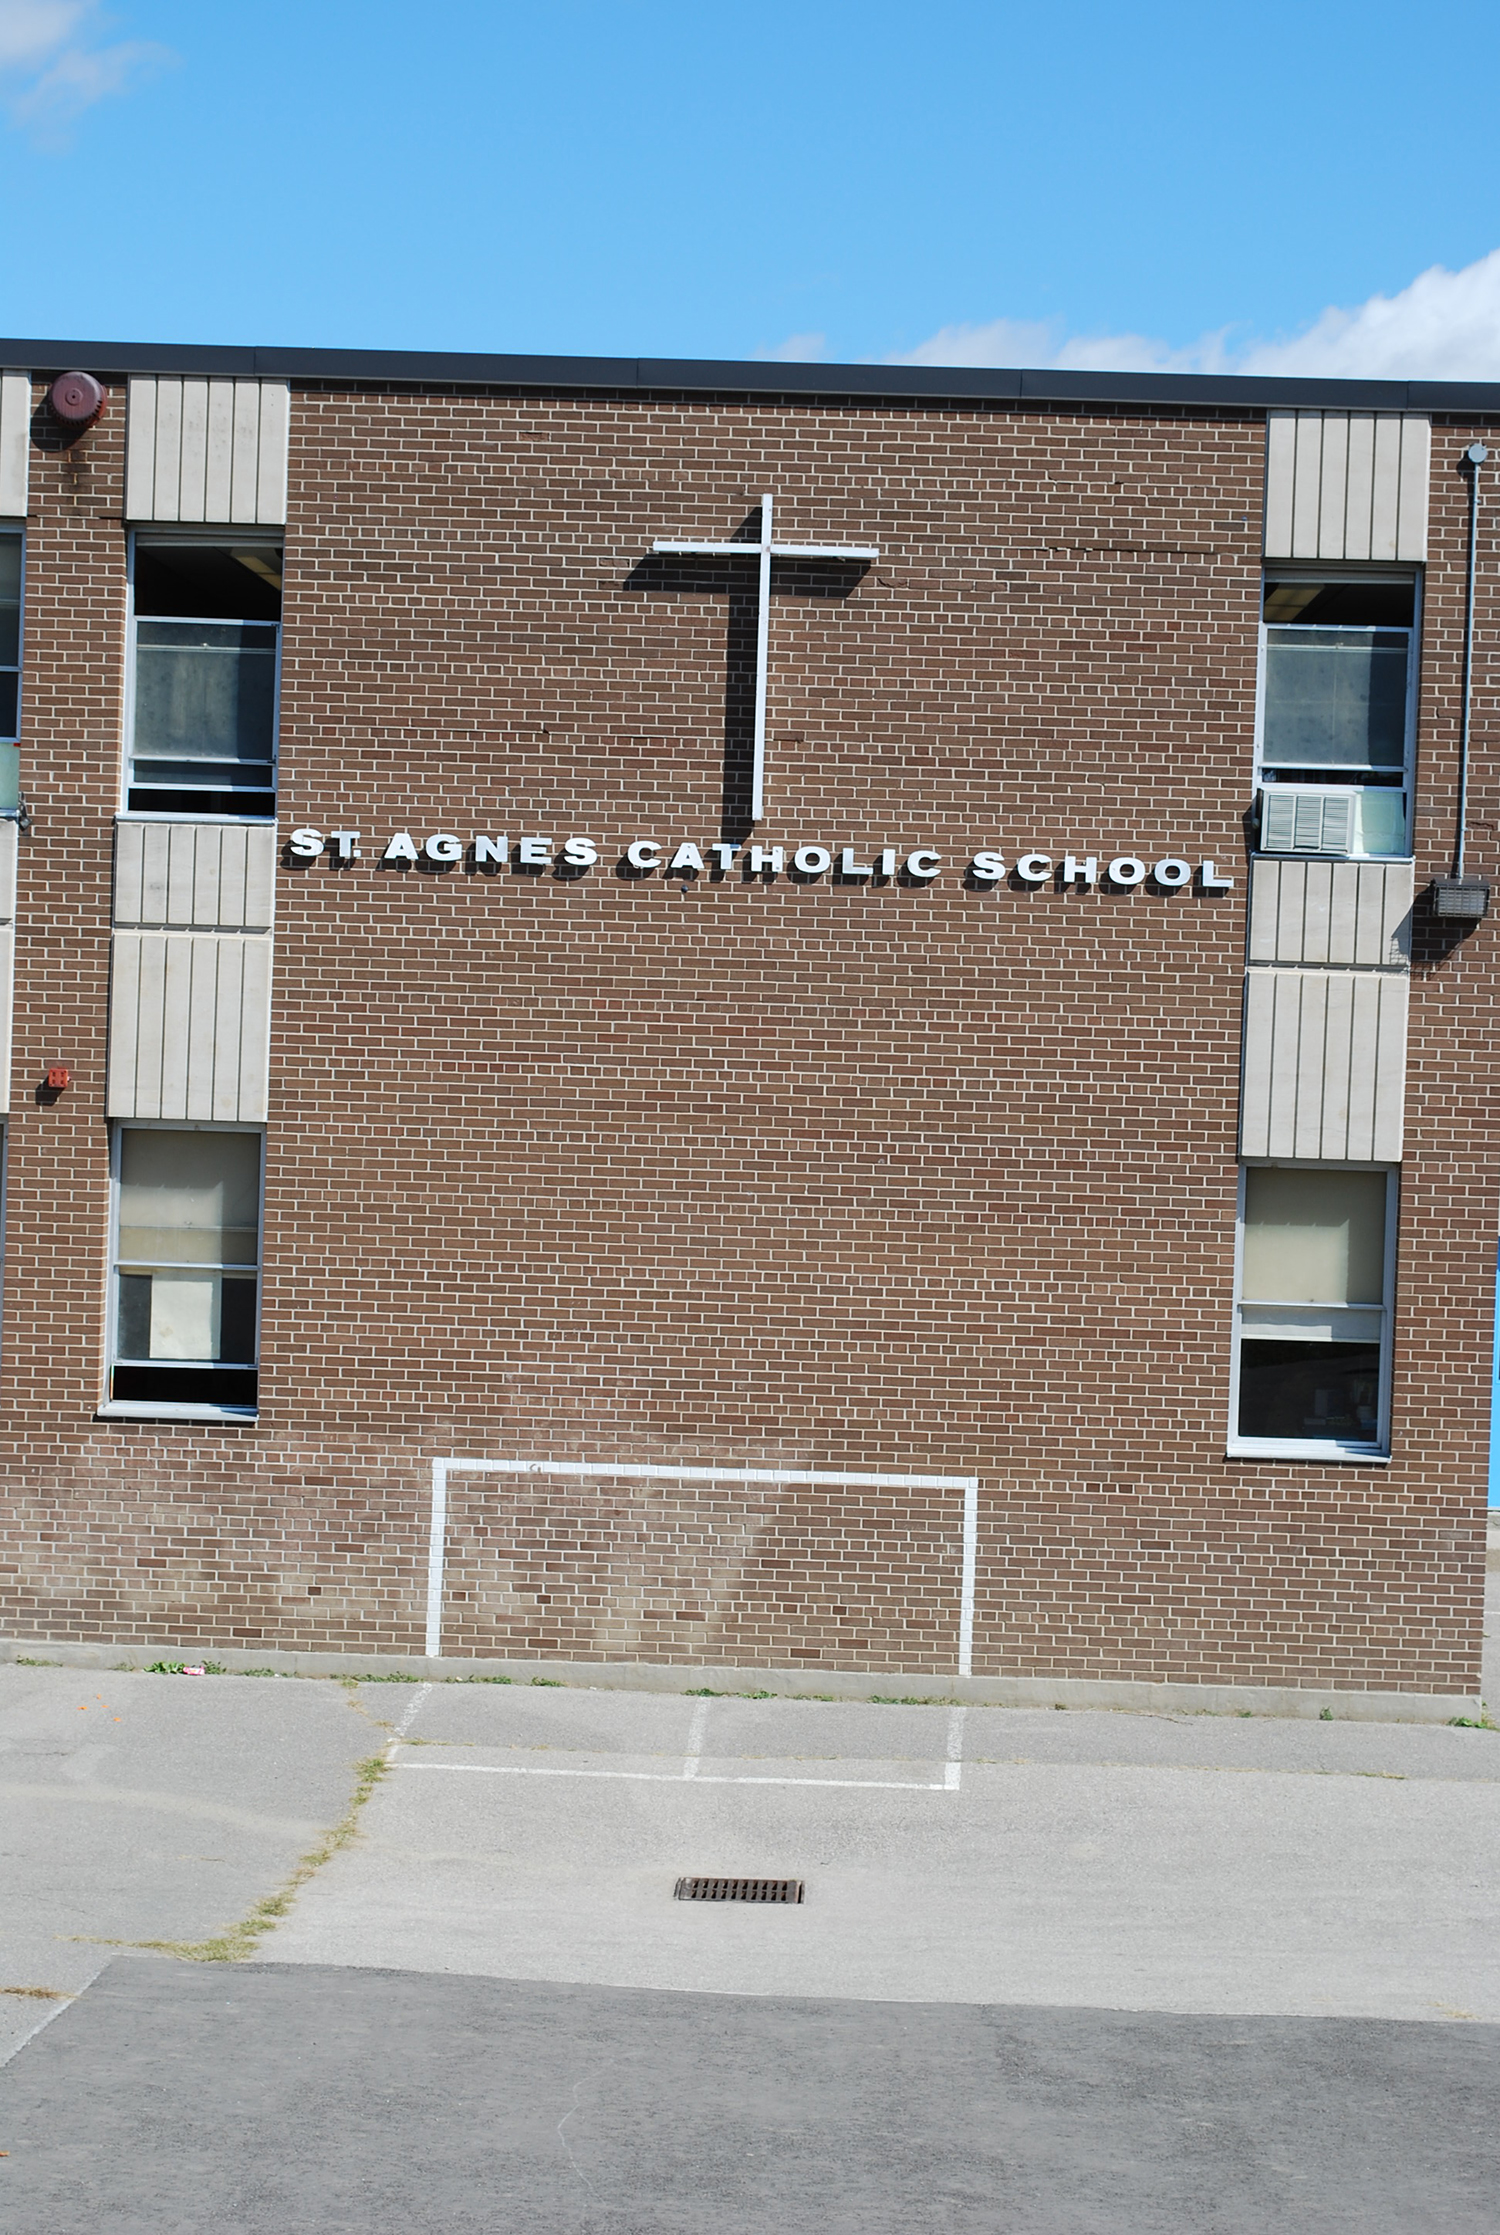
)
(76, 397)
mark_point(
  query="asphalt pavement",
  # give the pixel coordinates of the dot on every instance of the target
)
(1053, 1970)
(295, 2100)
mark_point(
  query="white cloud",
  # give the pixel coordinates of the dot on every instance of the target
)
(1444, 326)
(54, 65)
(797, 349)
(30, 29)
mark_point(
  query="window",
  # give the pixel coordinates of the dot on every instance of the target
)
(207, 643)
(1312, 1364)
(1338, 687)
(10, 634)
(187, 1265)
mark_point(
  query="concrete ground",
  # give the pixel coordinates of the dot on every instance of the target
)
(1053, 1971)
(1099, 1860)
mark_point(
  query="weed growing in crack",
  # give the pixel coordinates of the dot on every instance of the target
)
(242, 1939)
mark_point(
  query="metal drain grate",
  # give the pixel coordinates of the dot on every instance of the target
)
(739, 1889)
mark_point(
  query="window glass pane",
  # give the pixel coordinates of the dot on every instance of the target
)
(134, 1335)
(205, 691)
(1314, 1237)
(237, 1321)
(205, 1318)
(1373, 605)
(10, 632)
(1379, 821)
(184, 1315)
(189, 1199)
(1335, 698)
(205, 582)
(1300, 1391)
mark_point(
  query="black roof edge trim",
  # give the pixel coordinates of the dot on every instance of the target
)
(732, 376)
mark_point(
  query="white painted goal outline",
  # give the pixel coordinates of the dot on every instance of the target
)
(437, 1542)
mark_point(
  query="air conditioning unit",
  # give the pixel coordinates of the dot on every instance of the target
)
(1354, 819)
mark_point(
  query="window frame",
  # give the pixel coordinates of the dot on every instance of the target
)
(1307, 570)
(18, 530)
(159, 1408)
(203, 539)
(1324, 1449)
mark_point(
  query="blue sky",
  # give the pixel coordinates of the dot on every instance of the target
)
(977, 183)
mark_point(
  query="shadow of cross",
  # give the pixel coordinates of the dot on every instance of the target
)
(750, 604)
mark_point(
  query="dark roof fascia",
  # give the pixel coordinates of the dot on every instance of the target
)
(708, 376)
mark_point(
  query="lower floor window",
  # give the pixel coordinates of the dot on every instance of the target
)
(1312, 1364)
(187, 1269)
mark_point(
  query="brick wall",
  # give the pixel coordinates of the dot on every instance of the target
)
(889, 1178)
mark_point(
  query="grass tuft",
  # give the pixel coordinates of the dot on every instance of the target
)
(242, 1939)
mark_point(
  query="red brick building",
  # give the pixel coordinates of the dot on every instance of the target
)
(898, 1097)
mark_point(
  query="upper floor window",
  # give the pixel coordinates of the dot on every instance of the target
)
(10, 634)
(1337, 706)
(207, 647)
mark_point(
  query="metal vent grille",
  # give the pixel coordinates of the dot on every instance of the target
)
(1296, 819)
(739, 1889)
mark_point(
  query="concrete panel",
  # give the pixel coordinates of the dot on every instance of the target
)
(9, 848)
(1385, 503)
(7, 1008)
(165, 495)
(190, 1017)
(213, 451)
(1307, 488)
(1347, 485)
(1353, 914)
(1359, 491)
(15, 443)
(193, 465)
(1416, 478)
(202, 876)
(1281, 467)
(1324, 1064)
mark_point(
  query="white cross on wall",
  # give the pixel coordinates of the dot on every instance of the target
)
(764, 552)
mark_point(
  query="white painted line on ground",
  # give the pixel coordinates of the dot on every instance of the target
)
(953, 1774)
(437, 1535)
(675, 1776)
(407, 1719)
(696, 1728)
